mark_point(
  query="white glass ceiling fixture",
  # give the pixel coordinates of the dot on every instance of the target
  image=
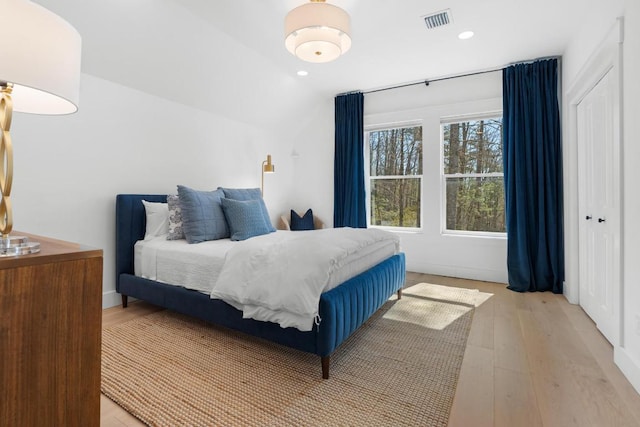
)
(317, 32)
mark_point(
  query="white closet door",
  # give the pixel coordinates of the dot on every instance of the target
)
(599, 204)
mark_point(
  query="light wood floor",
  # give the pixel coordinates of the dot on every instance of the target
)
(531, 360)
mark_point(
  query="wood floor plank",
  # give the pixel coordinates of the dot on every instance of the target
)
(600, 397)
(482, 331)
(474, 399)
(515, 399)
(602, 351)
(112, 415)
(510, 352)
(557, 396)
(572, 366)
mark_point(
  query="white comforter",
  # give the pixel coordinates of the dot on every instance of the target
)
(281, 282)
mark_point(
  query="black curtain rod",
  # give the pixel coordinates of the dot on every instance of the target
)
(426, 82)
(455, 76)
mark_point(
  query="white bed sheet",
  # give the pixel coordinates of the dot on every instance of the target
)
(280, 278)
(176, 262)
(198, 266)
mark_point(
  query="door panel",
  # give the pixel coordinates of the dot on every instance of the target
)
(598, 184)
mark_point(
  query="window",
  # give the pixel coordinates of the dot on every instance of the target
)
(473, 178)
(395, 176)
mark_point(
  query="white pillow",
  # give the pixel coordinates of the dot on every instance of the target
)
(157, 219)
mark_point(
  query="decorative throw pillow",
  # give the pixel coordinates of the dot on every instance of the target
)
(202, 216)
(244, 194)
(245, 218)
(157, 215)
(175, 218)
(304, 222)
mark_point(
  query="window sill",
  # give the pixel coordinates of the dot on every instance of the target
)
(399, 230)
(473, 234)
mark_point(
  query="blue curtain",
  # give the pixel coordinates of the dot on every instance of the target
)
(349, 192)
(533, 177)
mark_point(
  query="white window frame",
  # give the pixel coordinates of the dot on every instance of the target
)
(443, 177)
(368, 178)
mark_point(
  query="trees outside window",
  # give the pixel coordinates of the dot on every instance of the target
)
(395, 176)
(473, 177)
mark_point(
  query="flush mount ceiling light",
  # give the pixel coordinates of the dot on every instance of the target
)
(465, 35)
(317, 32)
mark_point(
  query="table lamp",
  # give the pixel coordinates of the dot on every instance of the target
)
(39, 74)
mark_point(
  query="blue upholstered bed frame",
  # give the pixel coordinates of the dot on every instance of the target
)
(342, 309)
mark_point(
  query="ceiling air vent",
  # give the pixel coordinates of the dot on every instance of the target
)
(438, 19)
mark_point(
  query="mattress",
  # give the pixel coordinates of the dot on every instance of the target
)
(197, 266)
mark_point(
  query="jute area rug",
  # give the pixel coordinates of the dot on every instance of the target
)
(399, 368)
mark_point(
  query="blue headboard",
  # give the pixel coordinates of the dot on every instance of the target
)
(131, 222)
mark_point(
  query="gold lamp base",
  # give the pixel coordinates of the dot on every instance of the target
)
(9, 245)
(17, 245)
(6, 158)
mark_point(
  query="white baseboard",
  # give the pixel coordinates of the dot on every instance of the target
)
(629, 365)
(459, 272)
(111, 299)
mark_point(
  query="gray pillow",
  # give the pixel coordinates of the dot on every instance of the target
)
(245, 218)
(244, 194)
(202, 215)
(175, 218)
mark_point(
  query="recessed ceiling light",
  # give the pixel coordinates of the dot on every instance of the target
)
(465, 35)
(303, 73)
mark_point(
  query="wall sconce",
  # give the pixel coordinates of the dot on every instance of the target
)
(267, 167)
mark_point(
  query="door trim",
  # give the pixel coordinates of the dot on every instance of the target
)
(607, 57)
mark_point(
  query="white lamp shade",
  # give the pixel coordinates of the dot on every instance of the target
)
(317, 32)
(40, 55)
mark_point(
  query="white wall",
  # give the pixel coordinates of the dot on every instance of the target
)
(313, 168)
(165, 99)
(431, 251)
(628, 355)
(597, 23)
(68, 169)
(162, 48)
(578, 53)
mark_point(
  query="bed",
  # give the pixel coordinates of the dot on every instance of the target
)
(342, 309)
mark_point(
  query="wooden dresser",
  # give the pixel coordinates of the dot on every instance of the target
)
(50, 336)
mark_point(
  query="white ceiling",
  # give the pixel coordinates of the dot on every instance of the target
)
(228, 56)
(392, 45)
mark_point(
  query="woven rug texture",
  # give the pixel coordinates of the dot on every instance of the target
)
(399, 369)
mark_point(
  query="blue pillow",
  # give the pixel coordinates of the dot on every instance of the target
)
(202, 216)
(245, 218)
(244, 194)
(299, 223)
